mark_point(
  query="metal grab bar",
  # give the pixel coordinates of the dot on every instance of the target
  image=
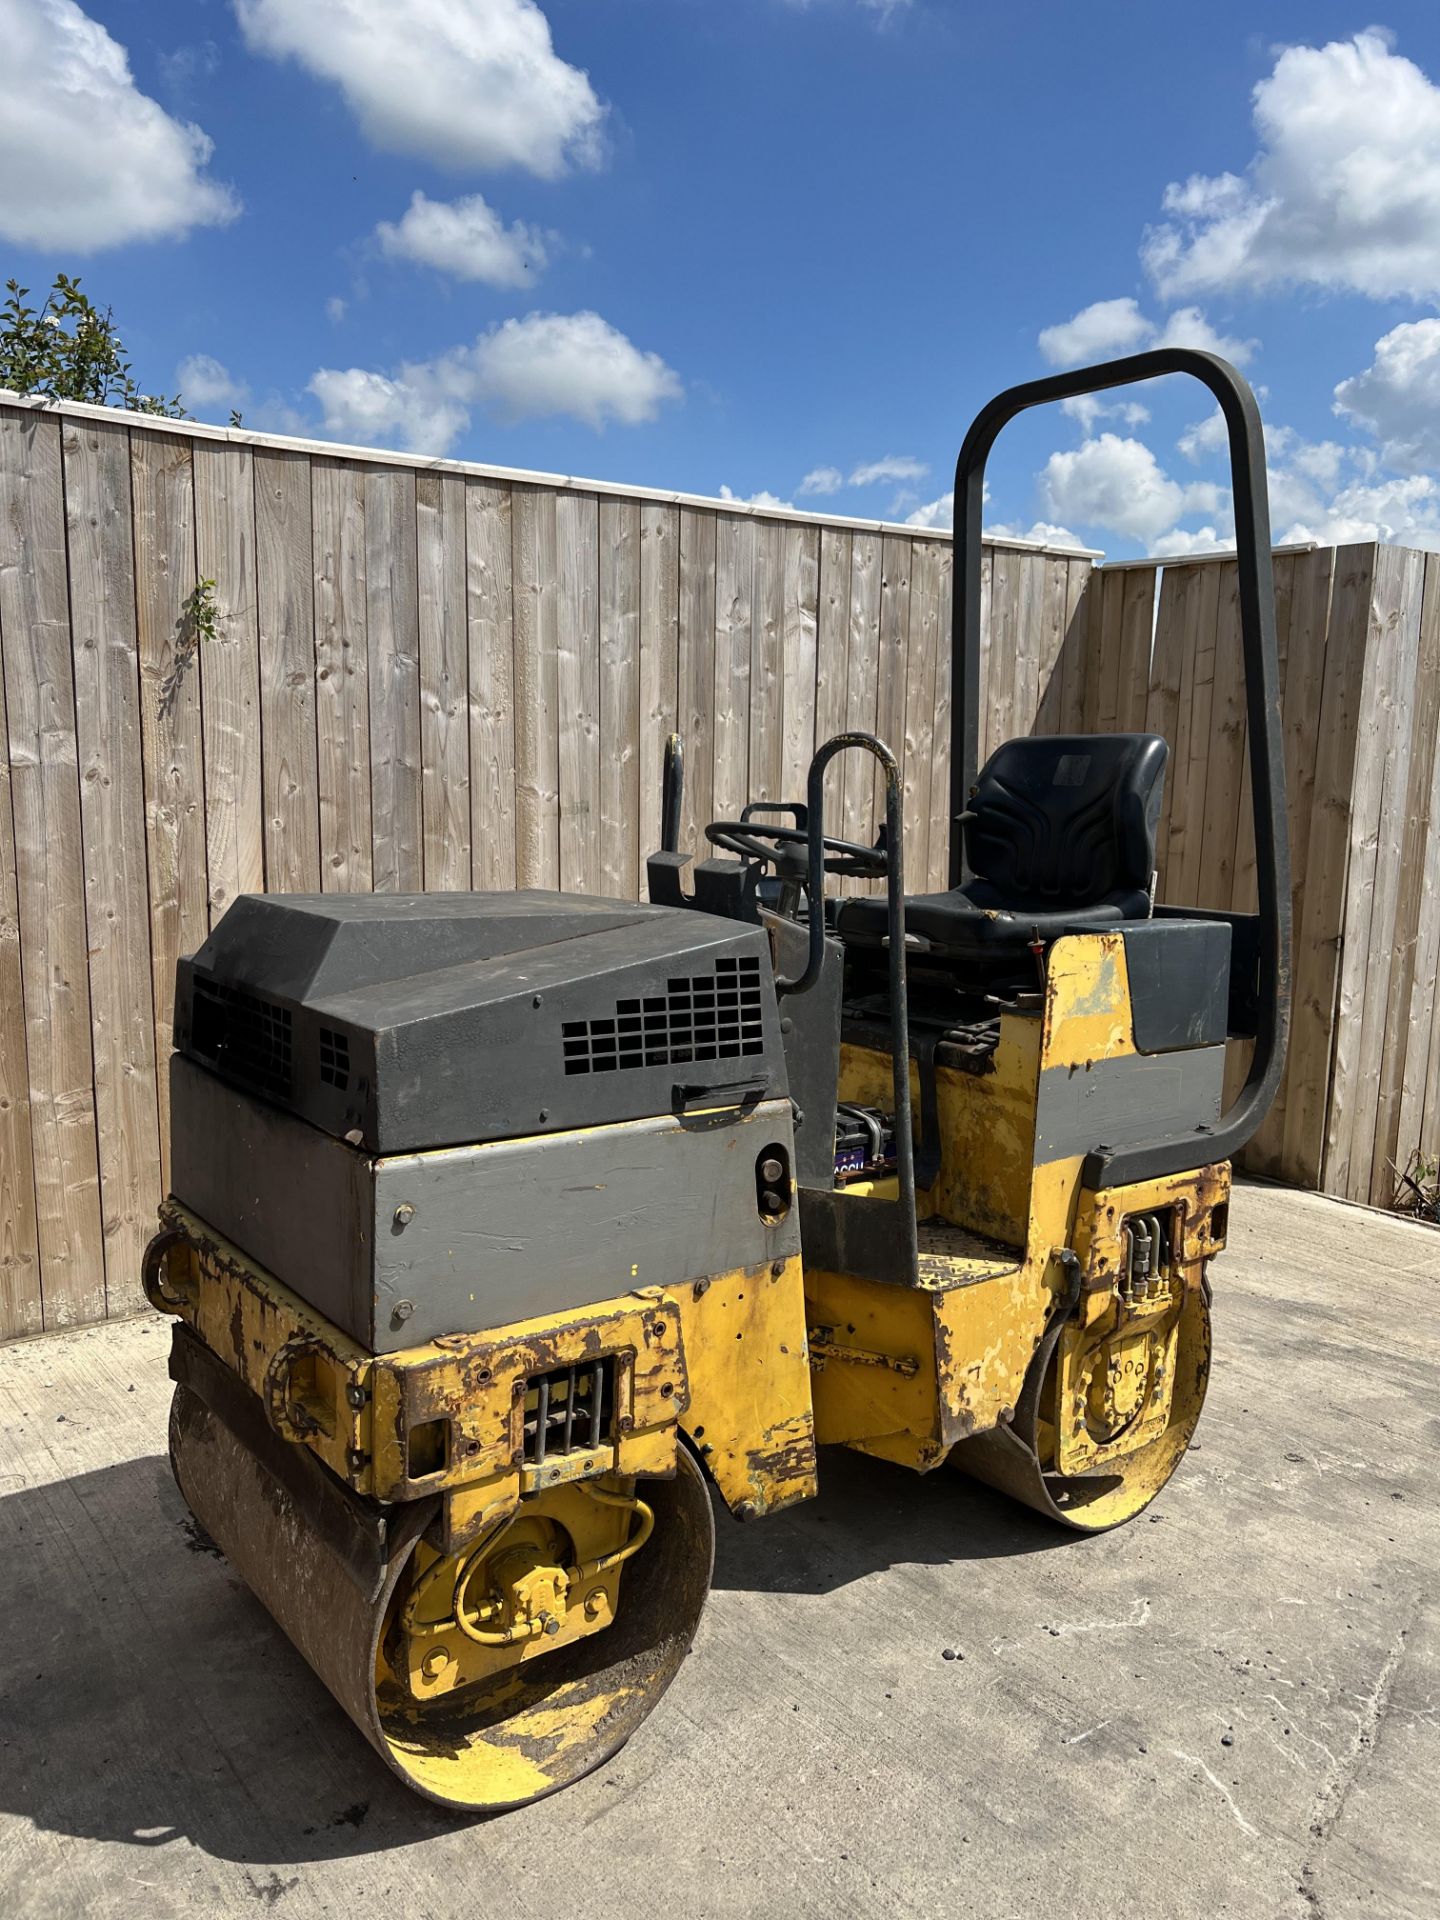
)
(895, 920)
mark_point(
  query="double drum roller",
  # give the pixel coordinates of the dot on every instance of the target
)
(511, 1233)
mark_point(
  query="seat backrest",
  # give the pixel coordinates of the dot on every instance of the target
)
(1068, 818)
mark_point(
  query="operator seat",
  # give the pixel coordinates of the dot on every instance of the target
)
(1059, 837)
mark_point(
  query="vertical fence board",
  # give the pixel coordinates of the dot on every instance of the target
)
(1381, 759)
(20, 1309)
(49, 863)
(659, 644)
(895, 553)
(1414, 955)
(941, 827)
(767, 626)
(112, 813)
(1082, 586)
(491, 638)
(1187, 806)
(620, 718)
(799, 623)
(1224, 774)
(537, 723)
(832, 631)
(863, 671)
(1265, 1150)
(163, 498)
(440, 570)
(392, 622)
(920, 668)
(1162, 693)
(998, 713)
(285, 601)
(342, 699)
(577, 546)
(696, 671)
(230, 673)
(1399, 587)
(1318, 938)
(1051, 676)
(734, 614)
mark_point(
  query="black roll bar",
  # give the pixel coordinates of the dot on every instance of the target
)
(1107, 1166)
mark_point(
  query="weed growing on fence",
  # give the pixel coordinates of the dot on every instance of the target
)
(1417, 1189)
(197, 624)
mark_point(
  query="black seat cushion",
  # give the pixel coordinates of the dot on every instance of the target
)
(1060, 834)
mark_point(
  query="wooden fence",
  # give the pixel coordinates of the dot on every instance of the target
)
(1359, 641)
(420, 676)
(427, 675)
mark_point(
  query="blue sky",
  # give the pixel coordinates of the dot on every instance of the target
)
(780, 248)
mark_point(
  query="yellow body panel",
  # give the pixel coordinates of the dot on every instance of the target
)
(725, 1360)
(906, 1373)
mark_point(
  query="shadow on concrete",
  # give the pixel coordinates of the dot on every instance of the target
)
(869, 1516)
(147, 1698)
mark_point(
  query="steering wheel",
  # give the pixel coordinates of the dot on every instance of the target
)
(772, 845)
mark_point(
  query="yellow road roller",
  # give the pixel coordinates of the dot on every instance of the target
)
(510, 1231)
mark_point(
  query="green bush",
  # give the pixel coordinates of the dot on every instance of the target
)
(69, 350)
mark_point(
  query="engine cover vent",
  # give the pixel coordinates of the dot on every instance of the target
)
(242, 1036)
(715, 1016)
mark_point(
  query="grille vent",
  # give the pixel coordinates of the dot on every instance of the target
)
(334, 1059)
(247, 1038)
(712, 1017)
(569, 1410)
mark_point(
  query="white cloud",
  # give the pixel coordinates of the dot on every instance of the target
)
(87, 161)
(936, 513)
(891, 466)
(822, 480)
(1206, 438)
(547, 363)
(761, 499)
(1344, 191)
(204, 384)
(1111, 328)
(465, 238)
(1406, 510)
(941, 512)
(1188, 327)
(411, 410)
(465, 83)
(1179, 545)
(1087, 408)
(573, 363)
(1044, 532)
(1117, 483)
(335, 309)
(1397, 397)
(1098, 332)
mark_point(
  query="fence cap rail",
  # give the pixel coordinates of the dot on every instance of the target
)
(1213, 557)
(516, 476)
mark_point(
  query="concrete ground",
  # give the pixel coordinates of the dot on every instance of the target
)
(1228, 1708)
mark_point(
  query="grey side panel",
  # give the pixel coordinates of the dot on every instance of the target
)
(296, 1200)
(498, 1233)
(1127, 1102)
(517, 1228)
(1179, 982)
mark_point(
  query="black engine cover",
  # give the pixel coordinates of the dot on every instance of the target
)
(403, 1022)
